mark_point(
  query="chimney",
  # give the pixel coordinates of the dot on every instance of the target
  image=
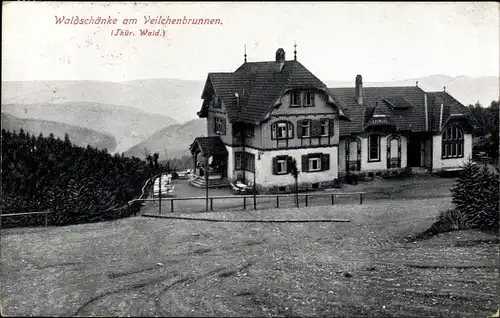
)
(441, 118)
(426, 113)
(280, 55)
(359, 90)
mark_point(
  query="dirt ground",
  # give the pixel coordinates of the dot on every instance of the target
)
(166, 267)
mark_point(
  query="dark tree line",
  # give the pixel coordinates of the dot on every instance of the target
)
(79, 184)
(487, 119)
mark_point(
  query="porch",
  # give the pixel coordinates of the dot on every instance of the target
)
(209, 169)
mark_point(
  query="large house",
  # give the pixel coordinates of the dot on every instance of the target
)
(392, 128)
(265, 114)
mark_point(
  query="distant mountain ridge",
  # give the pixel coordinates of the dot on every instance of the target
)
(79, 136)
(181, 99)
(172, 141)
(145, 113)
(127, 125)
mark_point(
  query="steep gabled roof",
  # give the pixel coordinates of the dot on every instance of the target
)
(208, 146)
(259, 85)
(451, 109)
(404, 105)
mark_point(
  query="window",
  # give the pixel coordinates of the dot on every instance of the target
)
(453, 143)
(238, 164)
(219, 126)
(325, 127)
(374, 148)
(309, 99)
(352, 154)
(282, 130)
(249, 162)
(305, 129)
(295, 99)
(244, 161)
(314, 164)
(281, 166)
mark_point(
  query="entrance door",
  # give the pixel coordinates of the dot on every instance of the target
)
(414, 152)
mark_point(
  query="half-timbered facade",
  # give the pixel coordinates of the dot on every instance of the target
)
(265, 114)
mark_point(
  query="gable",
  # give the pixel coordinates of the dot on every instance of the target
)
(250, 93)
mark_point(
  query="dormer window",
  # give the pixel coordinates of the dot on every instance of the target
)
(309, 99)
(295, 99)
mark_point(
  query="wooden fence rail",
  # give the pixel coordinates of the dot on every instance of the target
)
(24, 213)
(255, 197)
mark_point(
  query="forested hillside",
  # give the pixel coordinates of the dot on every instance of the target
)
(79, 184)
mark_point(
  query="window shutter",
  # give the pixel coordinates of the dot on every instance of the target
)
(214, 125)
(325, 161)
(315, 128)
(305, 163)
(289, 127)
(299, 129)
(331, 127)
(275, 165)
(224, 126)
(288, 164)
(273, 131)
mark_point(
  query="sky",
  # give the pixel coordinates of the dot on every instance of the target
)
(335, 40)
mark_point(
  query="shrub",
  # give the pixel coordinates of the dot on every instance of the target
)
(447, 221)
(453, 220)
(475, 195)
(487, 216)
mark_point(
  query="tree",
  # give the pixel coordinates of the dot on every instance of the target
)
(475, 195)
(487, 216)
(465, 191)
(295, 173)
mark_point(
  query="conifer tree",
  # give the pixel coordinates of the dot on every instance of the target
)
(466, 190)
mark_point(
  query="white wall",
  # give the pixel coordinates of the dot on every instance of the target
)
(231, 173)
(264, 167)
(438, 163)
(379, 165)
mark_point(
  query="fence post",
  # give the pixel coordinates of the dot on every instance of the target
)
(277, 201)
(333, 200)
(46, 218)
(172, 205)
(211, 204)
(361, 198)
(244, 203)
(306, 200)
(159, 193)
(254, 202)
